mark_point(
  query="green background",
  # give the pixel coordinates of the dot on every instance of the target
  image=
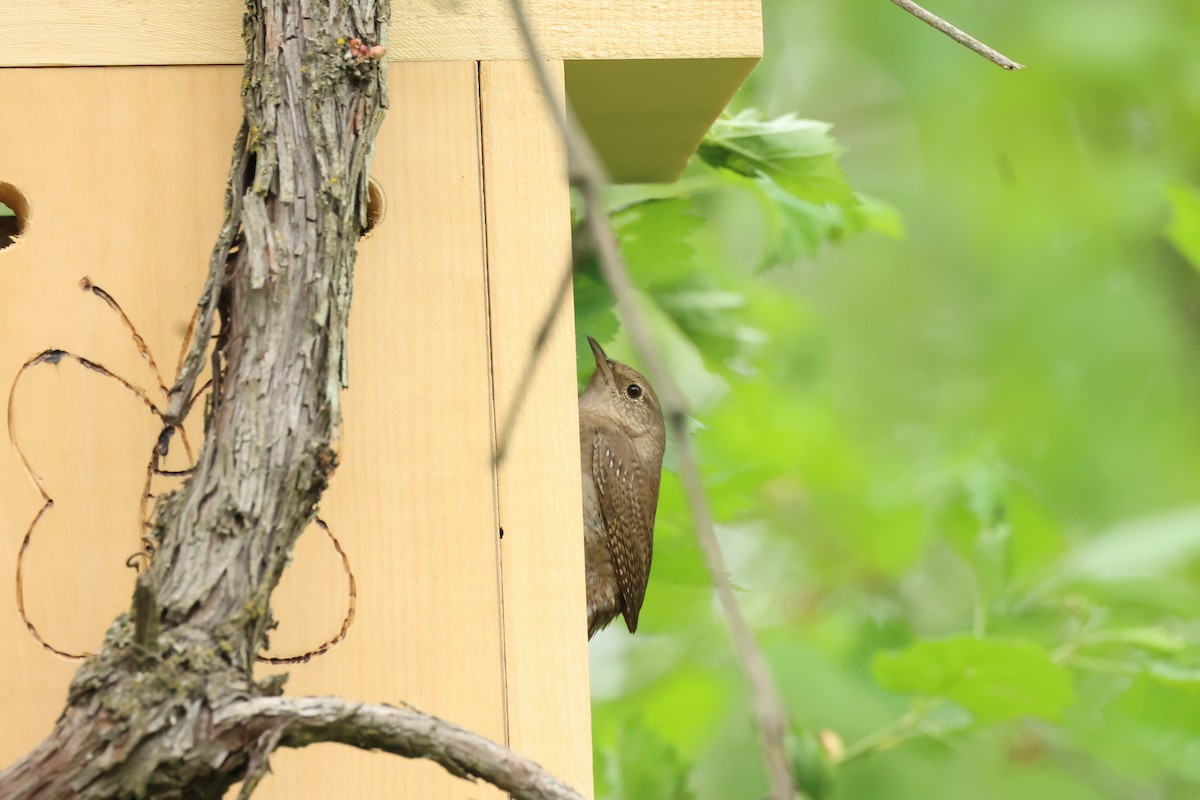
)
(949, 422)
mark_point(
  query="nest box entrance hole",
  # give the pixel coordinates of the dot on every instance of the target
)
(14, 214)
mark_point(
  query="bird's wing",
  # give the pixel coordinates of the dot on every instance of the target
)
(628, 497)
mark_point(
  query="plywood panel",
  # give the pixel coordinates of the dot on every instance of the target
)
(529, 242)
(128, 192)
(92, 32)
(647, 78)
(413, 497)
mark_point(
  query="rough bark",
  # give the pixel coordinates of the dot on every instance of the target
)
(168, 708)
(300, 721)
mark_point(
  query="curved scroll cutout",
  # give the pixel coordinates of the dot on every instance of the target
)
(159, 450)
(52, 357)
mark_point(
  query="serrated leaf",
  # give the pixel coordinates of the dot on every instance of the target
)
(796, 228)
(873, 214)
(1184, 229)
(710, 318)
(994, 679)
(655, 240)
(797, 154)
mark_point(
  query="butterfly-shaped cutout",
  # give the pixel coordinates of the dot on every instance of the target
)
(154, 471)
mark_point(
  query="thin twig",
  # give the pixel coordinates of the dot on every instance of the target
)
(588, 176)
(301, 721)
(963, 38)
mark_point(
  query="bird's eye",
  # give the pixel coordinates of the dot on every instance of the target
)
(634, 391)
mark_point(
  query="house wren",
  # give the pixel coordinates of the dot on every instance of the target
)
(621, 442)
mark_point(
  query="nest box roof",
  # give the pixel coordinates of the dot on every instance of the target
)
(646, 77)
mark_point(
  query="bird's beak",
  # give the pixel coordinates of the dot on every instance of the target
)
(603, 362)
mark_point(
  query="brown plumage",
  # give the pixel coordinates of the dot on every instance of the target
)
(621, 443)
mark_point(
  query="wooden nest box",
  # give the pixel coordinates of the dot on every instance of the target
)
(114, 148)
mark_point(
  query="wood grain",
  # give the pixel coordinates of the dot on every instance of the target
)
(528, 249)
(413, 497)
(128, 193)
(142, 32)
(646, 77)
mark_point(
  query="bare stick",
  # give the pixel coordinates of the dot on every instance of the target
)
(963, 38)
(300, 721)
(587, 175)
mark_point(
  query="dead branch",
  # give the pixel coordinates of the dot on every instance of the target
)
(301, 721)
(963, 38)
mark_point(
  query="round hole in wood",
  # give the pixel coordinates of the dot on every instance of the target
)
(14, 214)
(376, 204)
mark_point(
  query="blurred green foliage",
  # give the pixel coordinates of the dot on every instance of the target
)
(954, 465)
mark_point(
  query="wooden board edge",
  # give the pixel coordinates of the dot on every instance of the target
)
(161, 32)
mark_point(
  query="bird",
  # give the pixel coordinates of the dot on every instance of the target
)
(622, 437)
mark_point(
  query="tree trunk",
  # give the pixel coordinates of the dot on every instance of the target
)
(140, 715)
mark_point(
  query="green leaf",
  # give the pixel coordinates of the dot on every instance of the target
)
(1161, 718)
(1036, 537)
(994, 679)
(974, 505)
(797, 154)
(796, 228)
(656, 240)
(648, 766)
(5, 211)
(678, 559)
(1164, 703)
(873, 214)
(1145, 547)
(1184, 230)
(812, 768)
(1158, 640)
(600, 770)
(594, 315)
(711, 319)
